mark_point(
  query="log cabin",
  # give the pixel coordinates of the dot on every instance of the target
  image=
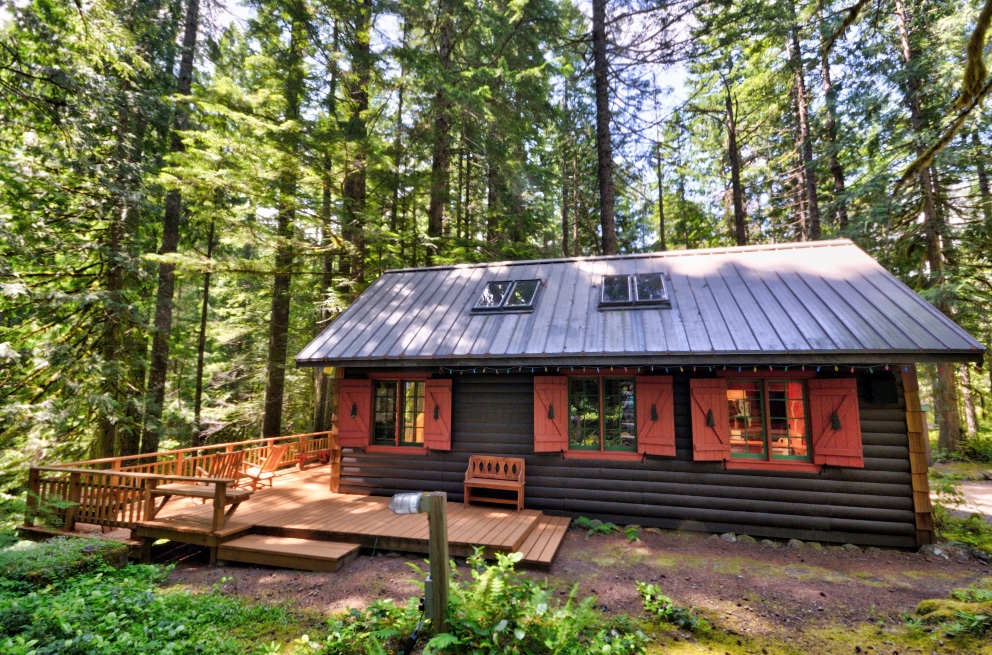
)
(768, 390)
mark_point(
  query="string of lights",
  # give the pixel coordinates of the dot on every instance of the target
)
(505, 370)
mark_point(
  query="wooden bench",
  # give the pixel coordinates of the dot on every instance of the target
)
(497, 473)
(221, 495)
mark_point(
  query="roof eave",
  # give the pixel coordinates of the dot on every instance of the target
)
(859, 358)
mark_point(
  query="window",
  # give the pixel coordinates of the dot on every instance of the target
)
(509, 295)
(398, 409)
(644, 289)
(768, 419)
(601, 414)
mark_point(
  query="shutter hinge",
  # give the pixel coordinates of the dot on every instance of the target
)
(835, 421)
(654, 413)
(551, 411)
(710, 423)
(436, 412)
(354, 410)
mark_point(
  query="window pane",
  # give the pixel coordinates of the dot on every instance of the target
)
(384, 409)
(523, 293)
(616, 288)
(745, 407)
(787, 418)
(583, 413)
(413, 413)
(650, 288)
(618, 414)
(492, 295)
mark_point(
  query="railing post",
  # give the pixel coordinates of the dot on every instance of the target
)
(34, 493)
(73, 497)
(179, 464)
(150, 484)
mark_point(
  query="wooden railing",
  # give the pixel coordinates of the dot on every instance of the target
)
(117, 491)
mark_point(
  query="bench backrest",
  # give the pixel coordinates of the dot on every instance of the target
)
(226, 465)
(274, 459)
(495, 468)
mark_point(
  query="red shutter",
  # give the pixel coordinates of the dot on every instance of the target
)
(710, 421)
(437, 426)
(550, 414)
(354, 412)
(655, 415)
(835, 423)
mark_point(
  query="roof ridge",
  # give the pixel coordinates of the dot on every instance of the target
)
(694, 252)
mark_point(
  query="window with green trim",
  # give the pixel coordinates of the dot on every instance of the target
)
(398, 413)
(768, 419)
(601, 414)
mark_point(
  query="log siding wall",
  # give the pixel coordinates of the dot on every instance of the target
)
(494, 415)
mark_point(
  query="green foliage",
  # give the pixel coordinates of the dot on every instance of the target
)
(632, 532)
(498, 611)
(377, 630)
(967, 613)
(662, 607)
(120, 612)
(595, 526)
(53, 561)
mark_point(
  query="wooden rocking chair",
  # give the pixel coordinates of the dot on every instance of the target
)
(265, 471)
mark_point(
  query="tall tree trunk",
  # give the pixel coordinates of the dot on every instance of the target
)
(441, 148)
(158, 369)
(967, 399)
(945, 384)
(398, 143)
(833, 147)
(356, 174)
(201, 341)
(565, 156)
(984, 192)
(275, 380)
(662, 246)
(804, 142)
(604, 140)
(734, 156)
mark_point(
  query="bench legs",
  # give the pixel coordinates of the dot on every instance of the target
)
(519, 502)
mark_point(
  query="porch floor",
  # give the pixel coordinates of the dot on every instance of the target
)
(299, 506)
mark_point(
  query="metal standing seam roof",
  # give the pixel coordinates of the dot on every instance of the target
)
(823, 301)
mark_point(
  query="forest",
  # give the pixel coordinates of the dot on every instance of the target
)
(191, 190)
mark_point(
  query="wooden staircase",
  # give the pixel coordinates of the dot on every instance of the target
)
(287, 552)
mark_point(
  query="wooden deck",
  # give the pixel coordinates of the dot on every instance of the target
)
(301, 510)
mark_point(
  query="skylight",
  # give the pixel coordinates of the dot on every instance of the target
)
(626, 290)
(509, 295)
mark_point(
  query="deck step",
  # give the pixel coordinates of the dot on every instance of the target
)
(543, 542)
(288, 553)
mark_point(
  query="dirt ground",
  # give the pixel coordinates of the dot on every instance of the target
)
(773, 598)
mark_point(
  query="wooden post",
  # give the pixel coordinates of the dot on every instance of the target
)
(34, 493)
(440, 574)
(332, 435)
(73, 497)
(220, 495)
(179, 465)
(150, 484)
(916, 424)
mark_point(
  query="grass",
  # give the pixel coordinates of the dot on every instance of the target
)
(38, 564)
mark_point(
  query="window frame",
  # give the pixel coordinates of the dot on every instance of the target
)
(602, 449)
(503, 307)
(399, 426)
(769, 457)
(633, 301)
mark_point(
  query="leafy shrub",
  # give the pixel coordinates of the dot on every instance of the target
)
(633, 533)
(52, 561)
(498, 611)
(376, 631)
(595, 526)
(662, 607)
(977, 448)
(118, 612)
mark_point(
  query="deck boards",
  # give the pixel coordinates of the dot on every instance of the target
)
(300, 507)
(288, 552)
